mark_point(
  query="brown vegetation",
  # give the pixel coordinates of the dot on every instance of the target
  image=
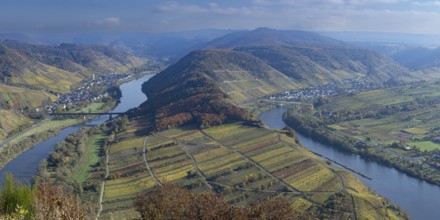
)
(193, 98)
(52, 202)
(173, 202)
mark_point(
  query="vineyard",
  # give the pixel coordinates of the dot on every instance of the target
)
(241, 162)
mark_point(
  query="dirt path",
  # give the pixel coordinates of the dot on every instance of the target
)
(196, 166)
(101, 193)
(144, 152)
(181, 144)
(22, 132)
(294, 190)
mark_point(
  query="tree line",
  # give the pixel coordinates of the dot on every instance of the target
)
(315, 129)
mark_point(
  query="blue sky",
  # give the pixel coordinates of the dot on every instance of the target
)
(74, 16)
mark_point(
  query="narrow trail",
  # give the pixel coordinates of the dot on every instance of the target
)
(144, 152)
(252, 189)
(194, 161)
(294, 190)
(101, 193)
(196, 166)
(22, 132)
(341, 181)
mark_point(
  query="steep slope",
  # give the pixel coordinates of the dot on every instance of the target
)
(30, 75)
(192, 90)
(238, 74)
(310, 58)
(58, 67)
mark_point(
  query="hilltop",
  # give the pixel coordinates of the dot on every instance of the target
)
(186, 93)
(310, 58)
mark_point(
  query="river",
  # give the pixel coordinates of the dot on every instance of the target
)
(25, 166)
(421, 200)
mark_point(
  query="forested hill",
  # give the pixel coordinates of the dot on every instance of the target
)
(207, 85)
(189, 91)
(310, 58)
(42, 66)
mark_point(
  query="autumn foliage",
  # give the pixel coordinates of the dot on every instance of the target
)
(173, 202)
(192, 99)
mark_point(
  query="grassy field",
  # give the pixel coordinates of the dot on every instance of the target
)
(425, 145)
(415, 126)
(241, 162)
(90, 159)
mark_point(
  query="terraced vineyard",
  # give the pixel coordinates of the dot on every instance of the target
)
(241, 162)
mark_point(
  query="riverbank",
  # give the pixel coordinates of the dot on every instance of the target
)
(24, 165)
(387, 182)
(42, 131)
(37, 133)
(313, 129)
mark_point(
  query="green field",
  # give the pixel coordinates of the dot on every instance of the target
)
(90, 159)
(407, 113)
(425, 145)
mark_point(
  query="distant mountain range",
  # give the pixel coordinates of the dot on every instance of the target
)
(166, 47)
(423, 59)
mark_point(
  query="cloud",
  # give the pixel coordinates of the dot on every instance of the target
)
(208, 8)
(429, 3)
(172, 6)
(109, 21)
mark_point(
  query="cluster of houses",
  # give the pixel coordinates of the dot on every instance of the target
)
(86, 92)
(333, 89)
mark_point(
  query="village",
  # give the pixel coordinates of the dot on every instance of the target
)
(310, 94)
(90, 90)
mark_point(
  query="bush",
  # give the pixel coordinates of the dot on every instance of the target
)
(15, 197)
(173, 202)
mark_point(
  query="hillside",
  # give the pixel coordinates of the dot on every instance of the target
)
(188, 91)
(310, 58)
(58, 67)
(239, 75)
(31, 75)
(419, 58)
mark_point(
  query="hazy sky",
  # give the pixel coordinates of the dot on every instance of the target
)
(59, 16)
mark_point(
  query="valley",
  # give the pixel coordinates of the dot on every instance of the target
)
(199, 128)
(395, 125)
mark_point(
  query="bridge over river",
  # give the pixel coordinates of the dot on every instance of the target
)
(64, 115)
